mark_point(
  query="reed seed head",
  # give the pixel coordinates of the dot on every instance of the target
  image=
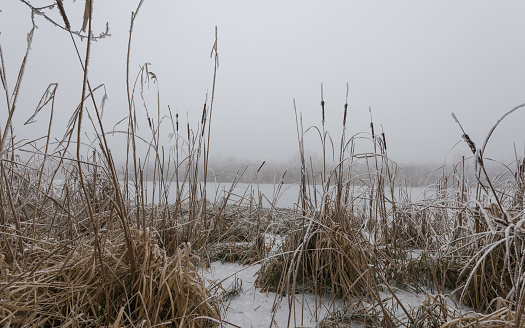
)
(63, 14)
(322, 108)
(470, 143)
(203, 119)
(344, 117)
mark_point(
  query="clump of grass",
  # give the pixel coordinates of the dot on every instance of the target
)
(333, 259)
(73, 288)
(233, 290)
(489, 265)
(242, 252)
(359, 312)
(337, 247)
(270, 276)
(434, 312)
(502, 316)
(353, 243)
(92, 251)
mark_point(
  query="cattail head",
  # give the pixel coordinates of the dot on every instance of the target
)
(87, 15)
(470, 143)
(322, 101)
(322, 108)
(260, 167)
(344, 117)
(63, 14)
(203, 119)
(177, 121)
(384, 139)
(346, 105)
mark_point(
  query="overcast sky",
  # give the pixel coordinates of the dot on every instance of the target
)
(411, 62)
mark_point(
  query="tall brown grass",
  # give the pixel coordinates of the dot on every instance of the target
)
(355, 239)
(93, 250)
(101, 249)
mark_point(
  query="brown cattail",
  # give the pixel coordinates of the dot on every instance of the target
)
(63, 14)
(346, 105)
(322, 108)
(260, 167)
(384, 139)
(344, 117)
(177, 121)
(87, 15)
(203, 119)
(322, 101)
(470, 143)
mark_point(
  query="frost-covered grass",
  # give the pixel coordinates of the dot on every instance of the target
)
(105, 248)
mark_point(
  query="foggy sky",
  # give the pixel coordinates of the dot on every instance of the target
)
(411, 62)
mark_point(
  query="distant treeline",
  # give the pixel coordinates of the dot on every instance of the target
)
(359, 172)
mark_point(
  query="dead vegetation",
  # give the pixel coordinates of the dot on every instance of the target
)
(101, 249)
(456, 242)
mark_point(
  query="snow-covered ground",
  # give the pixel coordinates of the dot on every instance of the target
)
(253, 309)
(248, 307)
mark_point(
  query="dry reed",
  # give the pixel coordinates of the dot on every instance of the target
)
(100, 249)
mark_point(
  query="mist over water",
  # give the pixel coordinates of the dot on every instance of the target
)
(278, 196)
